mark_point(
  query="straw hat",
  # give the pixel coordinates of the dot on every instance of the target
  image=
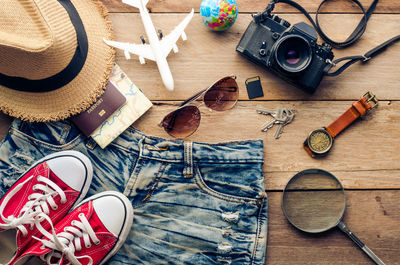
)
(53, 61)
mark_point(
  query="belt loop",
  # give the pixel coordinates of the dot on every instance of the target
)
(91, 144)
(65, 130)
(188, 159)
(141, 145)
(23, 125)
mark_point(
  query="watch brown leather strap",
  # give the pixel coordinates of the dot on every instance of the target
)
(308, 150)
(358, 109)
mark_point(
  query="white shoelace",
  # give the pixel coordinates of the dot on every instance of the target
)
(37, 204)
(69, 241)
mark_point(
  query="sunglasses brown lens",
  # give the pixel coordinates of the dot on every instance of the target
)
(223, 95)
(182, 122)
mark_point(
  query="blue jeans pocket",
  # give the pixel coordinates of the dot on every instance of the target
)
(234, 182)
(53, 136)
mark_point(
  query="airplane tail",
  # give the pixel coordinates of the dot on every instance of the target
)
(136, 3)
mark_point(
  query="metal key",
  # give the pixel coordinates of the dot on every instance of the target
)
(280, 114)
(281, 125)
(279, 117)
(289, 119)
(265, 111)
(268, 125)
(279, 130)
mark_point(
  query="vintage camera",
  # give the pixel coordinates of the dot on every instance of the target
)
(292, 53)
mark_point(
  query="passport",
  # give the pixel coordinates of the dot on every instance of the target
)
(136, 105)
(89, 120)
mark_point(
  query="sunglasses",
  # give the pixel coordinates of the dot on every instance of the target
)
(184, 121)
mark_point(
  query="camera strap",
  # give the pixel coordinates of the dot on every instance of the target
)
(354, 36)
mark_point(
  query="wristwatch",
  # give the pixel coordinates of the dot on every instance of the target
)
(319, 142)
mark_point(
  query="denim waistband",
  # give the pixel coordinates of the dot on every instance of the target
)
(176, 150)
(150, 146)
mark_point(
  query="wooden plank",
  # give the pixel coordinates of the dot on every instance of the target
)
(373, 216)
(365, 156)
(342, 6)
(350, 179)
(207, 56)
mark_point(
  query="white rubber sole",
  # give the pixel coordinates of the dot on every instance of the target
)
(84, 159)
(127, 222)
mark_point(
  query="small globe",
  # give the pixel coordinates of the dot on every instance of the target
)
(218, 15)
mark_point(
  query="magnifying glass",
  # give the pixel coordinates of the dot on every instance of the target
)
(314, 202)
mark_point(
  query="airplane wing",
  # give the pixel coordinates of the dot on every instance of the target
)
(168, 42)
(141, 50)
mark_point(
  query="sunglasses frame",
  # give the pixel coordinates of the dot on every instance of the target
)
(200, 97)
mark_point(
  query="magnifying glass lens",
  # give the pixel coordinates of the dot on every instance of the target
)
(314, 202)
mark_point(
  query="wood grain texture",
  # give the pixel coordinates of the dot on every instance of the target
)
(373, 216)
(341, 6)
(207, 56)
(365, 158)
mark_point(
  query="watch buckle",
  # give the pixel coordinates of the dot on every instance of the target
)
(371, 99)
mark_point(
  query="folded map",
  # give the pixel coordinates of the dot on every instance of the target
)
(136, 105)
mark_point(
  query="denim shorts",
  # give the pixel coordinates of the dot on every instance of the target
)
(194, 203)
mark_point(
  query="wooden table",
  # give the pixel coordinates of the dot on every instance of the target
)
(365, 158)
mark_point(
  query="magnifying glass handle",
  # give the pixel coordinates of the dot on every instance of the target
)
(369, 252)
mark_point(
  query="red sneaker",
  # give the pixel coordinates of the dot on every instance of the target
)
(90, 234)
(51, 187)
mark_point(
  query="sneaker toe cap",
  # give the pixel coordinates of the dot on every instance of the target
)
(73, 170)
(112, 212)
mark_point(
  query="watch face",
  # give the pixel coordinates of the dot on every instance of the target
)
(320, 141)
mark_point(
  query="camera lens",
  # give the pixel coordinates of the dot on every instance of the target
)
(293, 53)
(292, 57)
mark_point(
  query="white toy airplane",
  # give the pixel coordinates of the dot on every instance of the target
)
(158, 49)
